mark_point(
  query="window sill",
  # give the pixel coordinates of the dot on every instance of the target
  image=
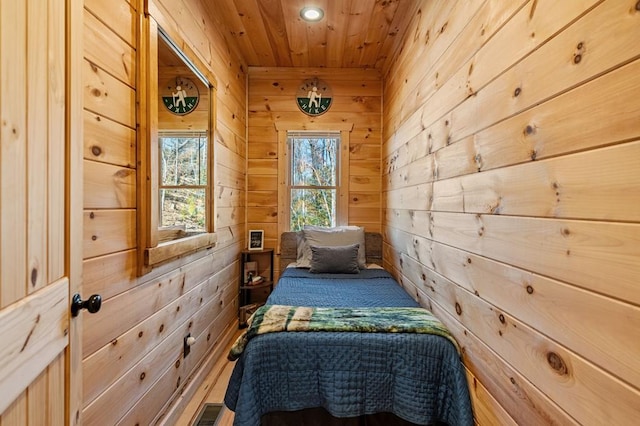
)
(176, 248)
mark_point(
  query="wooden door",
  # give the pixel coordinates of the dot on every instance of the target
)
(38, 214)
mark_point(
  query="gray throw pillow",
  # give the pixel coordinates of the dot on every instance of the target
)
(335, 259)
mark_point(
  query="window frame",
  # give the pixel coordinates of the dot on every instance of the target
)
(180, 134)
(291, 137)
(151, 251)
(284, 170)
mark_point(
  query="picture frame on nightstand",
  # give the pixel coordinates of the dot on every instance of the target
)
(256, 239)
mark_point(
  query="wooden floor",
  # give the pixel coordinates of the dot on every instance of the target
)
(212, 390)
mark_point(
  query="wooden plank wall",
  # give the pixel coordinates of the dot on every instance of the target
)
(272, 102)
(34, 283)
(133, 369)
(511, 191)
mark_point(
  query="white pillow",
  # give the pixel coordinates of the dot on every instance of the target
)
(329, 237)
(303, 251)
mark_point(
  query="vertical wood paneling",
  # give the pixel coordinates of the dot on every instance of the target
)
(57, 376)
(37, 397)
(65, 404)
(16, 414)
(13, 153)
(510, 193)
(57, 151)
(45, 396)
(37, 146)
(227, 14)
(34, 293)
(317, 38)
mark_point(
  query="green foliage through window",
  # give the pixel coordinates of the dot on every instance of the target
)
(313, 178)
(183, 180)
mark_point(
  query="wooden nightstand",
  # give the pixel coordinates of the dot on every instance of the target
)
(252, 296)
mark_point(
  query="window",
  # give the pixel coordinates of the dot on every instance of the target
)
(183, 181)
(313, 189)
(303, 187)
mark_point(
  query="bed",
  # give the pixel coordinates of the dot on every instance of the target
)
(347, 375)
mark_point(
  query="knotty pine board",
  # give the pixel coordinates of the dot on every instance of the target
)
(121, 147)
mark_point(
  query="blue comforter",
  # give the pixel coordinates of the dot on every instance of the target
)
(369, 288)
(418, 377)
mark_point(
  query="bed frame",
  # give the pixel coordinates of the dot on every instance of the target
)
(289, 248)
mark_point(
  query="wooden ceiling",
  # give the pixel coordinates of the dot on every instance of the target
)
(352, 34)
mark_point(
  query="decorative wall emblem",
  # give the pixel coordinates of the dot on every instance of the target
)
(314, 97)
(181, 96)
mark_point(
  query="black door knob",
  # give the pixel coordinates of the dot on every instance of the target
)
(92, 304)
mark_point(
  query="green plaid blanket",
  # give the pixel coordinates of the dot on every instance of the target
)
(276, 318)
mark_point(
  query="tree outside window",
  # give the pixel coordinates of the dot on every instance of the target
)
(313, 178)
(183, 181)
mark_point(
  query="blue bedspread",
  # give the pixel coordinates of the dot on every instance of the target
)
(369, 288)
(418, 377)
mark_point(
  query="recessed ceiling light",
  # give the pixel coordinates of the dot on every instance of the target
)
(311, 13)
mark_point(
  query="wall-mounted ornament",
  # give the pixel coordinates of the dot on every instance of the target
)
(314, 97)
(180, 96)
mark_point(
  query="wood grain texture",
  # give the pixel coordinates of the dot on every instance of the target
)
(215, 337)
(37, 149)
(107, 186)
(118, 15)
(13, 152)
(106, 95)
(65, 375)
(108, 141)
(32, 338)
(111, 274)
(104, 47)
(591, 185)
(133, 367)
(57, 110)
(106, 365)
(509, 188)
(353, 34)
(36, 138)
(509, 390)
(500, 140)
(549, 366)
(357, 100)
(108, 231)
